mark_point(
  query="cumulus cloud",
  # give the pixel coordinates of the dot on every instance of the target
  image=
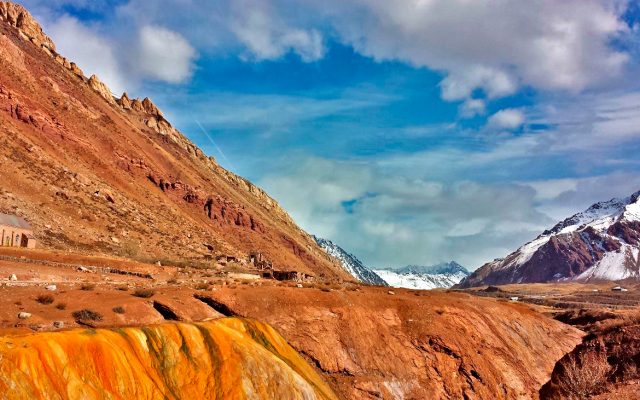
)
(493, 46)
(267, 37)
(509, 118)
(164, 55)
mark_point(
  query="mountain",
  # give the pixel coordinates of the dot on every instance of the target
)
(442, 275)
(110, 175)
(600, 243)
(350, 263)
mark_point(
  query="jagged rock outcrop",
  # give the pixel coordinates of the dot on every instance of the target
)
(18, 17)
(102, 89)
(228, 358)
(124, 101)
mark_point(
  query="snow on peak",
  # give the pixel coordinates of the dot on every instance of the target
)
(350, 263)
(442, 275)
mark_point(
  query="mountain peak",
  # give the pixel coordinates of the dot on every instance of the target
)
(601, 242)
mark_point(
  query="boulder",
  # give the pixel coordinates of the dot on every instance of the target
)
(51, 288)
(24, 315)
(13, 277)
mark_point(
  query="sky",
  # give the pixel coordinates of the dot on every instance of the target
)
(406, 131)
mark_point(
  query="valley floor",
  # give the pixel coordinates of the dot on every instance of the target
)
(368, 342)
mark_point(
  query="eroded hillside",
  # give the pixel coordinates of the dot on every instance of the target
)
(102, 174)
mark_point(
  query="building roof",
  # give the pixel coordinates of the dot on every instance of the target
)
(15, 221)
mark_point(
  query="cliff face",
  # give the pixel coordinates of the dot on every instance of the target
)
(102, 174)
(223, 359)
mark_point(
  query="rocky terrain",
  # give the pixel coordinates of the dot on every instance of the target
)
(601, 243)
(426, 344)
(439, 276)
(224, 359)
(350, 263)
(107, 175)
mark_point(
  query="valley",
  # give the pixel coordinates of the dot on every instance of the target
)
(133, 265)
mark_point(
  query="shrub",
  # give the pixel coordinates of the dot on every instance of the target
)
(87, 315)
(584, 376)
(144, 293)
(87, 286)
(118, 310)
(123, 288)
(61, 306)
(45, 299)
(202, 286)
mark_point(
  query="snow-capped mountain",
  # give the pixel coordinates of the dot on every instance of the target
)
(350, 263)
(600, 243)
(442, 275)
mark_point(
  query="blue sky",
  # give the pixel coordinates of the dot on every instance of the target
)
(409, 132)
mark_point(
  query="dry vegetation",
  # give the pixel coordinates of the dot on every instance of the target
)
(45, 299)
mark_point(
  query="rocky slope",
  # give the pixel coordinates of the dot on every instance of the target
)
(101, 174)
(600, 243)
(350, 263)
(605, 366)
(413, 344)
(442, 275)
(223, 359)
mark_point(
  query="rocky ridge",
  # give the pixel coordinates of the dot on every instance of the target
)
(117, 163)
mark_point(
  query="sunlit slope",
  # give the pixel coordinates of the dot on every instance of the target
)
(223, 359)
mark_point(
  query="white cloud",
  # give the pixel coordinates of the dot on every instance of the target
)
(92, 52)
(491, 45)
(509, 118)
(472, 107)
(267, 37)
(397, 220)
(164, 55)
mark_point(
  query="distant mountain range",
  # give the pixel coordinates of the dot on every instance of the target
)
(412, 276)
(350, 263)
(600, 243)
(442, 275)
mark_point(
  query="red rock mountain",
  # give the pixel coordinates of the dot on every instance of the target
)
(600, 243)
(100, 174)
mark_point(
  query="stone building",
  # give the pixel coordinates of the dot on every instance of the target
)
(15, 232)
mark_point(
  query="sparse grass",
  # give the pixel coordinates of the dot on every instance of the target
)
(130, 249)
(45, 299)
(203, 286)
(87, 286)
(118, 310)
(87, 315)
(61, 306)
(144, 293)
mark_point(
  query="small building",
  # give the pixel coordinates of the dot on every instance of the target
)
(16, 232)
